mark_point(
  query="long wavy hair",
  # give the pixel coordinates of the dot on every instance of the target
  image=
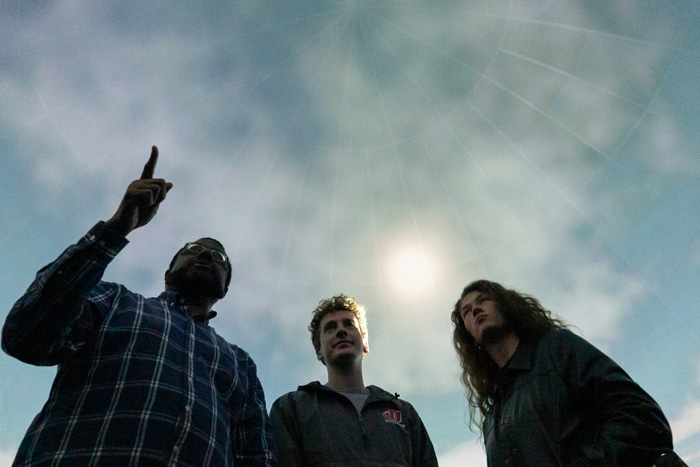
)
(525, 316)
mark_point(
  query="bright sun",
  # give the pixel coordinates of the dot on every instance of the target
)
(411, 271)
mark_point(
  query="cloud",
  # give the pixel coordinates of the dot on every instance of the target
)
(6, 458)
(469, 453)
(693, 456)
(594, 297)
(324, 222)
(687, 424)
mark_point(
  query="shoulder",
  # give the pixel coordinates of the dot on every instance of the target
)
(301, 397)
(558, 335)
(378, 393)
(236, 356)
(563, 340)
(286, 399)
(572, 354)
(302, 392)
(239, 353)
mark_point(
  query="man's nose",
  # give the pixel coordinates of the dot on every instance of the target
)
(342, 332)
(206, 253)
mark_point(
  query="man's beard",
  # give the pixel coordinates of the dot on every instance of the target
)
(494, 333)
(195, 282)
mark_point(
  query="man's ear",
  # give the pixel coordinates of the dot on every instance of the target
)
(167, 275)
(365, 348)
(225, 292)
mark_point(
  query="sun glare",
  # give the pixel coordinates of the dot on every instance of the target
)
(411, 271)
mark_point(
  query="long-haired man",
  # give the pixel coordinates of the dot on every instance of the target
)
(543, 395)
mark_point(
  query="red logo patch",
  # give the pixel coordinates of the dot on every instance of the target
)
(393, 416)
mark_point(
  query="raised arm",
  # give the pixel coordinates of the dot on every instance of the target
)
(60, 310)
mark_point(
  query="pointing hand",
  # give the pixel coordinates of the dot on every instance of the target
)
(141, 200)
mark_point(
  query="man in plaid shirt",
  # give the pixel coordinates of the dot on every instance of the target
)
(140, 381)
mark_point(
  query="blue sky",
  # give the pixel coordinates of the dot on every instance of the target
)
(393, 151)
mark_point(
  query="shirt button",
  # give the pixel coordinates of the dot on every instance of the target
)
(91, 238)
(188, 408)
(175, 449)
(190, 379)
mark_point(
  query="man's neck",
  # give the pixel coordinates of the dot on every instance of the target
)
(196, 305)
(197, 310)
(502, 349)
(345, 379)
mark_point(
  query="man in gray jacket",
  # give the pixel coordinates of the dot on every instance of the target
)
(343, 422)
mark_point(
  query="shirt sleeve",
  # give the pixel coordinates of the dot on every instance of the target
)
(286, 434)
(54, 318)
(253, 442)
(632, 428)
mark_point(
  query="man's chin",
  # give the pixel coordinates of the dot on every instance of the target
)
(492, 334)
(201, 285)
(344, 360)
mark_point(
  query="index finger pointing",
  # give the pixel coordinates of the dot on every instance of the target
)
(150, 166)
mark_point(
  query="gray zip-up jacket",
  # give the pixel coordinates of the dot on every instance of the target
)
(316, 426)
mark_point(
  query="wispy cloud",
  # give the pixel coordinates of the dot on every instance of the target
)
(687, 424)
(469, 453)
(6, 458)
(296, 220)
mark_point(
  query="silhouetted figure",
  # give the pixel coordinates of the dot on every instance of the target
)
(140, 381)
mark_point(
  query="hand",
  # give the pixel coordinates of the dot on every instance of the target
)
(141, 200)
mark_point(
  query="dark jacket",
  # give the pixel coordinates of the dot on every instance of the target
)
(563, 402)
(316, 426)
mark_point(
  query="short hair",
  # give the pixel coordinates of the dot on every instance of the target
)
(229, 272)
(525, 316)
(337, 303)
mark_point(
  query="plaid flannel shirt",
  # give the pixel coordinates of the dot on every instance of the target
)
(139, 382)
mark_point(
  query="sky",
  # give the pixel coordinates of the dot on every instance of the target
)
(390, 150)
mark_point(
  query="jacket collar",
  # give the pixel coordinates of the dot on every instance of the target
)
(521, 361)
(523, 357)
(375, 392)
(174, 299)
